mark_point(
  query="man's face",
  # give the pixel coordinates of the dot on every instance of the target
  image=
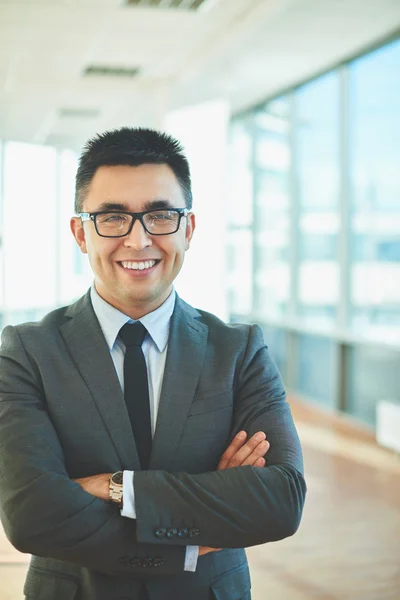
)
(134, 189)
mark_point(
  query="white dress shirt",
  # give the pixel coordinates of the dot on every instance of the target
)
(154, 348)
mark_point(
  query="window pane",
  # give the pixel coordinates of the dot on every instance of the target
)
(318, 178)
(29, 228)
(374, 121)
(316, 369)
(373, 375)
(240, 271)
(272, 205)
(240, 197)
(75, 268)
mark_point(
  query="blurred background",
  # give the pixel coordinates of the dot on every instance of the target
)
(289, 111)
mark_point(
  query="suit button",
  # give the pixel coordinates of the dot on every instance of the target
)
(183, 533)
(135, 562)
(147, 563)
(158, 561)
(171, 532)
(193, 532)
(161, 532)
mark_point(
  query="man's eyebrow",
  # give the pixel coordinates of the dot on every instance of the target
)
(150, 205)
(158, 203)
(112, 206)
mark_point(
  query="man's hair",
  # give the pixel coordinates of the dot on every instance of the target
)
(132, 147)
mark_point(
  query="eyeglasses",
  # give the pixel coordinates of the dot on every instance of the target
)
(114, 224)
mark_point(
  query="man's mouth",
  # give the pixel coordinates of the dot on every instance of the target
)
(138, 265)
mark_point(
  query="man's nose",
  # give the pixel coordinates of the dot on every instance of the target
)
(138, 238)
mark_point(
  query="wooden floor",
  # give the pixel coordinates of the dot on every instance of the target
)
(348, 545)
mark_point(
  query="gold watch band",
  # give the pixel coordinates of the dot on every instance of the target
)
(116, 490)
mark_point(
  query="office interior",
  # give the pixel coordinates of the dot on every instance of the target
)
(289, 111)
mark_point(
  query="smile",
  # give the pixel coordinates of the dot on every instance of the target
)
(138, 265)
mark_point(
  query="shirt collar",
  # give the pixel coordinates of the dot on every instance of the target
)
(111, 319)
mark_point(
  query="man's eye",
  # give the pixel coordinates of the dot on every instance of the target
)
(113, 218)
(167, 216)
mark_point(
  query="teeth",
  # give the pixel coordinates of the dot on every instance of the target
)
(138, 266)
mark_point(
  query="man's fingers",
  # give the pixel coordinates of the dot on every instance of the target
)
(247, 449)
(240, 453)
(257, 455)
(234, 446)
(206, 550)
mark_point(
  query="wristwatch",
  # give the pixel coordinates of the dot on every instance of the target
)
(116, 488)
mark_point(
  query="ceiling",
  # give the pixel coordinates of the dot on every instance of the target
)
(240, 50)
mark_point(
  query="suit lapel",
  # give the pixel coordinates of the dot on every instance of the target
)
(185, 357)
(85, 340)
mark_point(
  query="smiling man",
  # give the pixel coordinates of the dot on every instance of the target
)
(143, 443)
(135, 260)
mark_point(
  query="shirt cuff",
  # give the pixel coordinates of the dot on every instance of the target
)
(192, 554)
(128, 501)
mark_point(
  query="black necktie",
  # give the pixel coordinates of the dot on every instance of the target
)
(136, 389)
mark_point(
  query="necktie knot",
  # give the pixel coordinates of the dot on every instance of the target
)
(133, 334)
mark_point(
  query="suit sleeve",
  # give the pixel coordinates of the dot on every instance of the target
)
(129, 511)
(243, 506)
(42, 510)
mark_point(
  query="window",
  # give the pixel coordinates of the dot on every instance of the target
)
(318, 180)
(373, 375)
(240, 220)
(29, 226)
(374, 138)
(316, 369)
(272, 210)
(75, 269)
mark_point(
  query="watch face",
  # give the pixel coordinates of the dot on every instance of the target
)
(117, 478)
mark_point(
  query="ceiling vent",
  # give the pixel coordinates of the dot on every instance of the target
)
(78, 113)
(108, 71)
(164, 4)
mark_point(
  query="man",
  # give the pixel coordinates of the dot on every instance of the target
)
(140, 468)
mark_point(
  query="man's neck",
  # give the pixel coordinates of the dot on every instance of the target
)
(134, 311)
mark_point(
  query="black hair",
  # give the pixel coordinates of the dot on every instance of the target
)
(133, 147)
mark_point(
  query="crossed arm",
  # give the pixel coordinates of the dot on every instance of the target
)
(238, 454)
(47, 514)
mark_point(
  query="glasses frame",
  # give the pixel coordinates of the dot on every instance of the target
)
(85, 216)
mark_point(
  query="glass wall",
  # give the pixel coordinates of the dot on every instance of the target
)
(240, 220)
(315, 369)
(272, 209)
(317, 139)
(374, 143)
(374, 374)
(39, 265)
(29, 227)
(325, 236)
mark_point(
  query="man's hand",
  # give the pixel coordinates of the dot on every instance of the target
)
(239, 453)
(97, 485)
(206, 550)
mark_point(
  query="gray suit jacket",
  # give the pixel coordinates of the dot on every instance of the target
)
(63, 416)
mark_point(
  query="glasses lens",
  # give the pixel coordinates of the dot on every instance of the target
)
(113, 224)
(161, 221)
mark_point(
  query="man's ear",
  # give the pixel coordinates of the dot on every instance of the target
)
(190, 227)
(78, 233)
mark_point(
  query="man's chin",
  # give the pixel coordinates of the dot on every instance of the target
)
(145, 297)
